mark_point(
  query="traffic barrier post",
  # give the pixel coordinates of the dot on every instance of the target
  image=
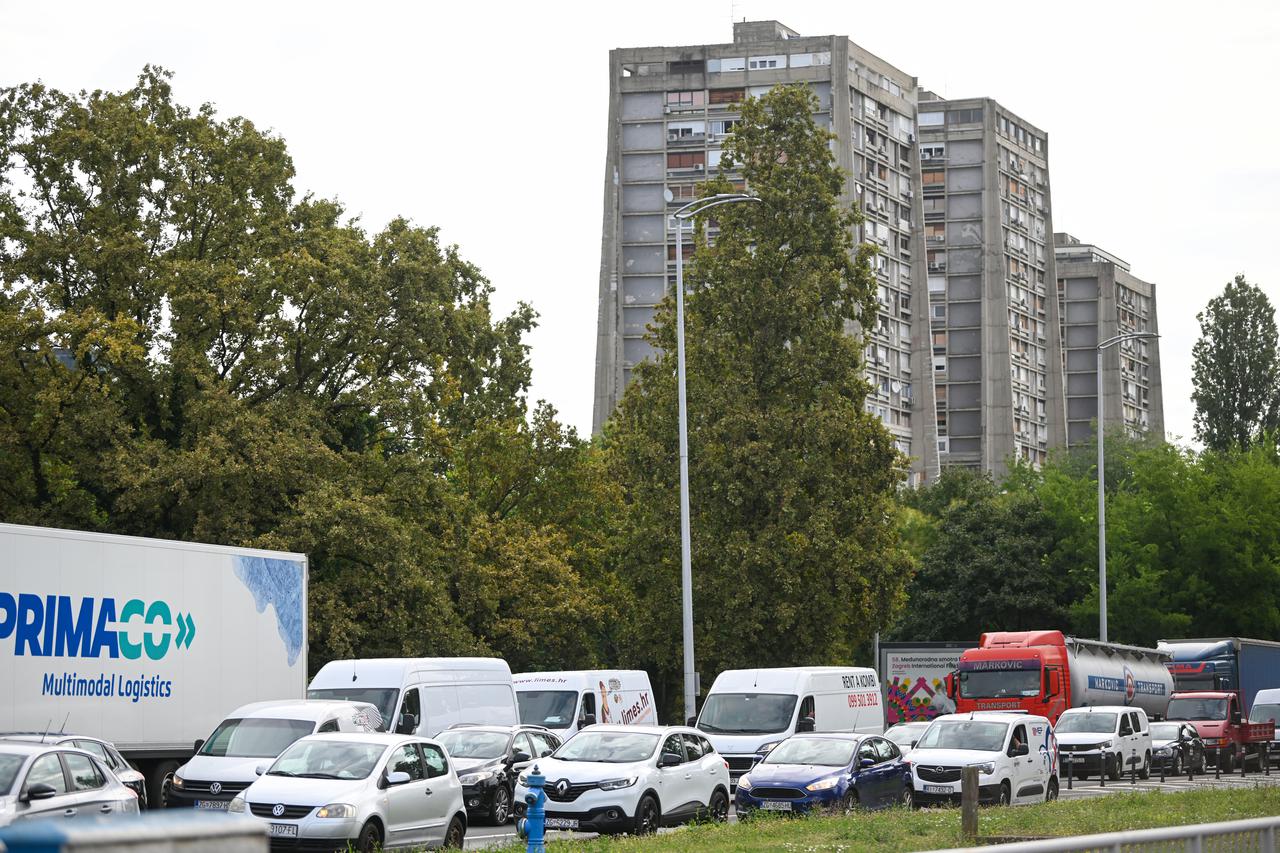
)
(1071, 770)
(1217, 762)
(969, 802)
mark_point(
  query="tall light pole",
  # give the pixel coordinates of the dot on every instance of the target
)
(691, 209)
(1102, 484)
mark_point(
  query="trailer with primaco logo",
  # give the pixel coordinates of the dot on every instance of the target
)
(146, 643)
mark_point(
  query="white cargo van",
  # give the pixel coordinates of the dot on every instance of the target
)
(566, 701)
(749, 711)
(423, 696)
(225, 764)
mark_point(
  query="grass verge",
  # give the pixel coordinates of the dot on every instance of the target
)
(898, 829)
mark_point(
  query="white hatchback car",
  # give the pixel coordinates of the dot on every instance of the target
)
(612, 779)
(43, 781)
(1016, 756)
(371, 791)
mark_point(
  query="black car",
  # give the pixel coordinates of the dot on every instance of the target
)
(1177, 747)
(489, 758)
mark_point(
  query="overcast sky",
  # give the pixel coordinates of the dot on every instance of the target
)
(488, 120)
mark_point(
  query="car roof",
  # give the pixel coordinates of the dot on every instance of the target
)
(51, 738)
(1106, 709)
(908, 723)
(649, 730)
(382, 738)
(849, 736)
(993, 717)
(315, 710)
(506, 730)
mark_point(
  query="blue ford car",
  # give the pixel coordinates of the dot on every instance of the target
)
(833, 771)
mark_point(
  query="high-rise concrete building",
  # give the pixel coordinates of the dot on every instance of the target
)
(1100, 299)
(996, 340)
(670, 109)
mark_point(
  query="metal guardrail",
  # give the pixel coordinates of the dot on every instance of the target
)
(1257, 835)
(169, 831)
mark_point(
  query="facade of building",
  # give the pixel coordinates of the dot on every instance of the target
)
(670, 109)
(1100, 298)
(996, 346)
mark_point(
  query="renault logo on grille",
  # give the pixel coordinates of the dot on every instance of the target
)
(277, 809)
(562, 787)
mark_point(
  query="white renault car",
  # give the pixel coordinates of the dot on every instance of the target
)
(370, 791)
(1016, 756)
(611, 779)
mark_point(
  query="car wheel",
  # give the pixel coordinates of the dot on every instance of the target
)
(1051, 793)
(1145, 772)
(719, 806)
(1231, 761)
(1200, 766)
(1176, 769)
(848, 803)
(158, 783)
(370, 838)
(500, 811)
(456, 836)
(1006, 794)
(1113, 768)
(908, 797)
(648, 816)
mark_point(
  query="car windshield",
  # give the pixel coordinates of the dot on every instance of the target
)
(10, 764)
(980, 735)
(1196, 709)
(254, 737)
(551, 708)
(1087, 722)
(1163, 731)
(328, 759)
(825, 751)
(995, 684)
(1264, 713)
(903, 735)
(384, 698)
(608, 747)
(747, 713)
(462, 743)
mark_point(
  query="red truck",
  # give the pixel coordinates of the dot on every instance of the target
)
(1218, 720)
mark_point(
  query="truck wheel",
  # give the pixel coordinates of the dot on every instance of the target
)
(1231, 761)
(1113, 767)
(1052, 793)
(1145, 772)
(158, 783)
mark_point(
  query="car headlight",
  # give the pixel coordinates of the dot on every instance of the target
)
(767, 748)
(178, 782)
(337, 810)
(476, 778)
(523, 780)
(1163, 750)
(236, 806)
(1106, 744)
(824, 784)
(986, 769)
(744, 782)
(617, 784)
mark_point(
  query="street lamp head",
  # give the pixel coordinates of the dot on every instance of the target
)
(1127, 336)
(698, 205)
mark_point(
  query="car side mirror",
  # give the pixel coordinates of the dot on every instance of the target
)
(669, 759)
(587, 720)
(950, 682)
(199, 743)
(397, 777)
(38, 791)
(520, 757)
(1020, 749)
(864, 763)
(545, 753)
(805, 724)
(260, 770)
(692, 722)
(913, 744)
(407, 724)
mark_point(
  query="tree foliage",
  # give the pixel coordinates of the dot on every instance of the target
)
(795, 555)
(1236, 368)
(187, 350)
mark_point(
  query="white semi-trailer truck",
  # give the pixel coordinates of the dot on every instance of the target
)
(147, 643)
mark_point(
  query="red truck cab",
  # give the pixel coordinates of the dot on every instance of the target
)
(1012, 671)
(1217, 718)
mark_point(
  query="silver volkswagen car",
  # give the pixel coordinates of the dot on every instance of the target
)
(45, 780)
(103, 750)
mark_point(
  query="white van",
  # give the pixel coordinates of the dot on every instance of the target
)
(423, 696)
(1015, 755)
(567, 701)
(750, 711)
(254, 734)
(1266, 708)
(1107, 739)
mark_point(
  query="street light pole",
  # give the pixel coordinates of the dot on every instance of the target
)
(686, 569)
(1102, 484)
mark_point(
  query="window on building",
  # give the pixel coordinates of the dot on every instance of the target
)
(933, 152)
(686, 66)
(964, 116)
(930, 119)
(761, 62)
(933, 177)
(687, 161)
(726, 96)
(935, 232)
(686, 100)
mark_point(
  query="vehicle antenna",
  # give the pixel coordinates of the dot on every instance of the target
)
(47, 726)
(63, 730)
(353, 670)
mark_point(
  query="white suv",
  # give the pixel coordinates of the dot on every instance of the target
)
(1107, 739)
(612, 779)
(1016, 756)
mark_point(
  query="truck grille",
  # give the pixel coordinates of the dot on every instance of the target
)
(777, 793)
(740, 763)
(197, 786)
(938, 774)
(290, 812)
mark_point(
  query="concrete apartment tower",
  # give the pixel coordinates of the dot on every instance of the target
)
(995, 334)
(670, 109)
(1099, 298)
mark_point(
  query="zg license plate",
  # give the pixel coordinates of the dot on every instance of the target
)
(283, 830)
(212, 805)
(562, 823)
(776, 806)
(938, 789)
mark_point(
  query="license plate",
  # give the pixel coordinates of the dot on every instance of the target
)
(212, 805)
(562, 823)
(776, 806)
(938, 789)
(283, 830)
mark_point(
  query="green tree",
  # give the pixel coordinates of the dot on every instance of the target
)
(796, 557)
(1236, 369)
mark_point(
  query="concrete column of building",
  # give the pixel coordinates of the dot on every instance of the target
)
(608, 379)
(997, 385)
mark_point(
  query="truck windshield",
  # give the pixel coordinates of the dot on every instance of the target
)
(990, 684)
(255, 737)
(551, 708)
(747, 713)
(1085, 723)
(9, 766)
(1264, 713)
(965, 734)
(1196, 709)
(383, 698)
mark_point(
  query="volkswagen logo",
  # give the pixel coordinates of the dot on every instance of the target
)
(277, 809)
(562, 787)
(215, 788)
